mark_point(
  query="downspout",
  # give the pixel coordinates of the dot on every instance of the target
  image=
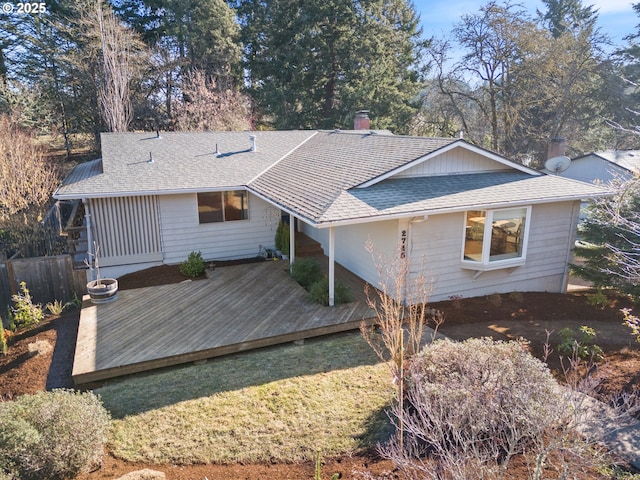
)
(572, 240)
(90, 252)
(332, 259)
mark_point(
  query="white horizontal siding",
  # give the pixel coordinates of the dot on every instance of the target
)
(350, 245)
(458, 160)
(182, 233)
(435, 250)
(439, 242)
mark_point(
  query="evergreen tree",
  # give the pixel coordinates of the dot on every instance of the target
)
(314, 64)
(563, 16)
(610, 241)
(189, 38)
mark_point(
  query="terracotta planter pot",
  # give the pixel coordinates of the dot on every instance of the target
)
(103, 293)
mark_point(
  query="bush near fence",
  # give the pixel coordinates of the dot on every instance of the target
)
(48, 279)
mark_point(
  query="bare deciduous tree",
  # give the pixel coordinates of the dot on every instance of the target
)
(27, 177)
(116, 42)
(401, 312)
(27, 181)
(206, 105)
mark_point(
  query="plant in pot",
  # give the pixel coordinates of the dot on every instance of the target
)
(100, 290)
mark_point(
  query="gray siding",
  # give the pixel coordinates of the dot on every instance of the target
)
(182, 233)
(434, 248)
(350, 246)
(438, 242)
(458, 160)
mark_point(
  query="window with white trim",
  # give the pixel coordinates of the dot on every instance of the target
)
(495, 238)
(223, 206)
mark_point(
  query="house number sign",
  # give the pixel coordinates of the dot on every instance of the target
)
(403, 244)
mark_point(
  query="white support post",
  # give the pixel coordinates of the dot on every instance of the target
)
(292, 240)
(332, 244)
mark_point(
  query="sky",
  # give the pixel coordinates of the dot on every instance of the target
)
(616, 18)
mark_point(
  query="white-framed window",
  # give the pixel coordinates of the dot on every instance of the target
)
(223, 206)
(495, 238)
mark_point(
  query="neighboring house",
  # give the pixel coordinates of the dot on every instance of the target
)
(477, 222)
(602, 167)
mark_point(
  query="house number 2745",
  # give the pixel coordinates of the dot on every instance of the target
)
(403, 244)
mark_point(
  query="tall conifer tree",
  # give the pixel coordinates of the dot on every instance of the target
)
(313, 64)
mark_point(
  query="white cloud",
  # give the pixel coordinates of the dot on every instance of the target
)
(611, 6)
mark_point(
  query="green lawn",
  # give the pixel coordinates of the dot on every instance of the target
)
(280, 404)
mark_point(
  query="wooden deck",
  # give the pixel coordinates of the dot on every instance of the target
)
(239, 308)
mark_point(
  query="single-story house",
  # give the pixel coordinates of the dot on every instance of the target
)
(472, 221)
(603, 167)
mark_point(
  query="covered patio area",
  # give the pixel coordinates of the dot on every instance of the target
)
(238, 308)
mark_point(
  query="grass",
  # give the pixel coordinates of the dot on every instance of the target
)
(281, 404)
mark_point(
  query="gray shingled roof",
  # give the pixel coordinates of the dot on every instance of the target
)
(315, 175)
(420, 195)
(310, 179)
(182, 161)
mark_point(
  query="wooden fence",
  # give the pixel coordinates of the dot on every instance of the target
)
(47, 278)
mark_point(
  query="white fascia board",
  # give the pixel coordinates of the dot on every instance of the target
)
(75, 196)
(440, 211)
(459, 143)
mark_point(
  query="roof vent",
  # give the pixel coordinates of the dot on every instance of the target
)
(252, 139)
(158, 134)
(150, 158)
(217, 152)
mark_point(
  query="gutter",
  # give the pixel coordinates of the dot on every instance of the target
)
(75, 196)
(440, 211)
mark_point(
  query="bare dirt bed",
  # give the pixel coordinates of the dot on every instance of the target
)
(527, 315)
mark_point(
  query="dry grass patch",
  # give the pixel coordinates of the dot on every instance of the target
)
(281, 404)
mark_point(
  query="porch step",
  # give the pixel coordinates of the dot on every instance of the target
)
(307, 247)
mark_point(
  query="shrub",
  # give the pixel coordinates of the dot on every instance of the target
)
(319, 292)
(24, 313)
(598, 299)
(580, 344)
(282, 237)
(495, 299)
(56, 308)
(516, 297)
(479, 401)
(631, 321)
(53, 435)
(194, 265)
(306, 271)
(3, 340)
